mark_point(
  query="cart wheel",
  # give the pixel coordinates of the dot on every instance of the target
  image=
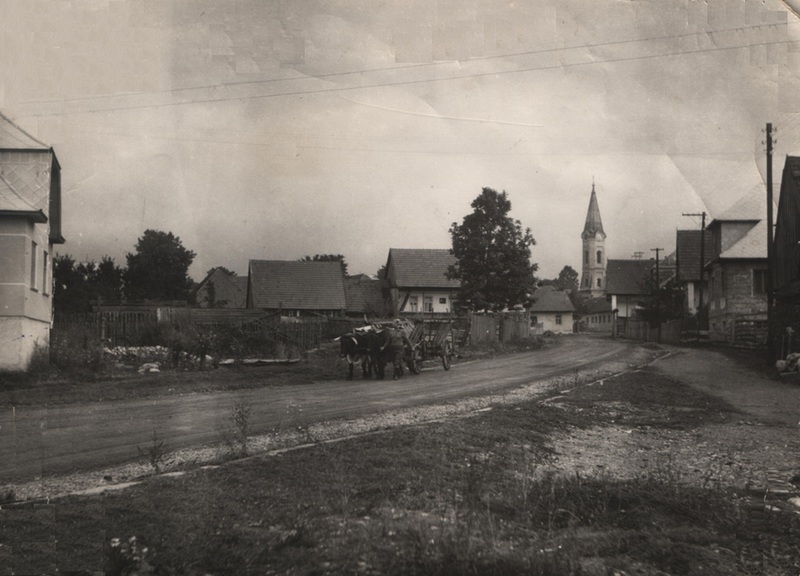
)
(446, 353)
(414, 363)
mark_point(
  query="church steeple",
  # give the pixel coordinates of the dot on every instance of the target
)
(593, 276)
(594, 223)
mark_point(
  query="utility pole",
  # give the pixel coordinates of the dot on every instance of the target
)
(770, 252)
(702, 269)
(658, 294)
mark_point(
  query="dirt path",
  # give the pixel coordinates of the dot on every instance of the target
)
(41, 441)
(768, 398)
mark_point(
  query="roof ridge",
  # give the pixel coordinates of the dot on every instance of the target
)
(21, 129)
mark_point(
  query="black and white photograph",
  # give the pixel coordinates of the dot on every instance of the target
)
(384, 287)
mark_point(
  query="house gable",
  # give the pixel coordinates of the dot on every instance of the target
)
(420, 268)
(629, 277)
(296, 285)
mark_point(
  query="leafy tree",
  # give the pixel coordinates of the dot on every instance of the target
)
(664, 302)
(227, 272)
(493, 256)
(159, 269)
(327, 258)
(76, 285)
(567, 279)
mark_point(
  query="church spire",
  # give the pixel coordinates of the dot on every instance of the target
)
(593, 277)
(594, 224)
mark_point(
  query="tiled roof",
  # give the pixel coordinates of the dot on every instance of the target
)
(12, 137)
(363, 294)
(688, 253)
(548, 299)
(628, 277)
(752, 245)
(229, 291)
(596, 306)
(297, 285)
(751, 206)
(421, 268)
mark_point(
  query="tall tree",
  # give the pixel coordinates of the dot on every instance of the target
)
(327, 258)
(76, 285)
(493, 256)
(159, 269)
(567, 279)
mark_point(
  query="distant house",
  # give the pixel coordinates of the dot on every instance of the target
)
(551, 311)
(296, 288)
(627, 284)
(596, 315)
(221, 289)
(417, 281)
(30, 225)
(786, 268)
(687, 264)
(738, 267)
(366, 297)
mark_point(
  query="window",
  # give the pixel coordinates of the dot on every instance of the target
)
(534, 320)
(586, 282)
(599, 256)
(586, 257)
(558, 319)
(759, 282)
(412, 304)
(45, 261)
(442, 300)
(33, 266)
(428, 304)
(599, 282)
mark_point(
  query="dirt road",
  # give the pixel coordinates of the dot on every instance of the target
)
(40, 441)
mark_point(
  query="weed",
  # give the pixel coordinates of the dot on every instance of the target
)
(7, 495)
(125, 558)
(235, 432)
(154, 453)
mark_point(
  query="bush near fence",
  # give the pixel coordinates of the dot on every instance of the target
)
(234, 333)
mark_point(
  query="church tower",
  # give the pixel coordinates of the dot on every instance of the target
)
(593, 276)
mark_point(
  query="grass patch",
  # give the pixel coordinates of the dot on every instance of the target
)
(648, 398)
(471, 496)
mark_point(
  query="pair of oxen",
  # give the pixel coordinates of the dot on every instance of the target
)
(372, 348)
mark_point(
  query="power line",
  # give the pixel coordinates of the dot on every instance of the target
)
(427, 64)
(338, 89)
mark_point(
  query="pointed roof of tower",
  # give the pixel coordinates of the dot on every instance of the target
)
(594, 223)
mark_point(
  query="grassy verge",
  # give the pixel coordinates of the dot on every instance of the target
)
(470, 496)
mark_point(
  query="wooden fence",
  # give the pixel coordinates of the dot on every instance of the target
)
(130, 328)
(640, 330)
(486, 328)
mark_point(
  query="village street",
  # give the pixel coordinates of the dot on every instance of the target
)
(41, 441)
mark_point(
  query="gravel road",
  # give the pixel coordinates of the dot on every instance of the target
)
(46, 446)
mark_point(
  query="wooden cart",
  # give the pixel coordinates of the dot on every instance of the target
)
(430, 339)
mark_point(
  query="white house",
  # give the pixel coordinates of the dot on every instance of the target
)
(552, 311)
(30, 225)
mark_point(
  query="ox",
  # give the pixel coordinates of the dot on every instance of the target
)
(390, 344)
(355, 347)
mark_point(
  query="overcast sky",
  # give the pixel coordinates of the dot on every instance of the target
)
(266, 129)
